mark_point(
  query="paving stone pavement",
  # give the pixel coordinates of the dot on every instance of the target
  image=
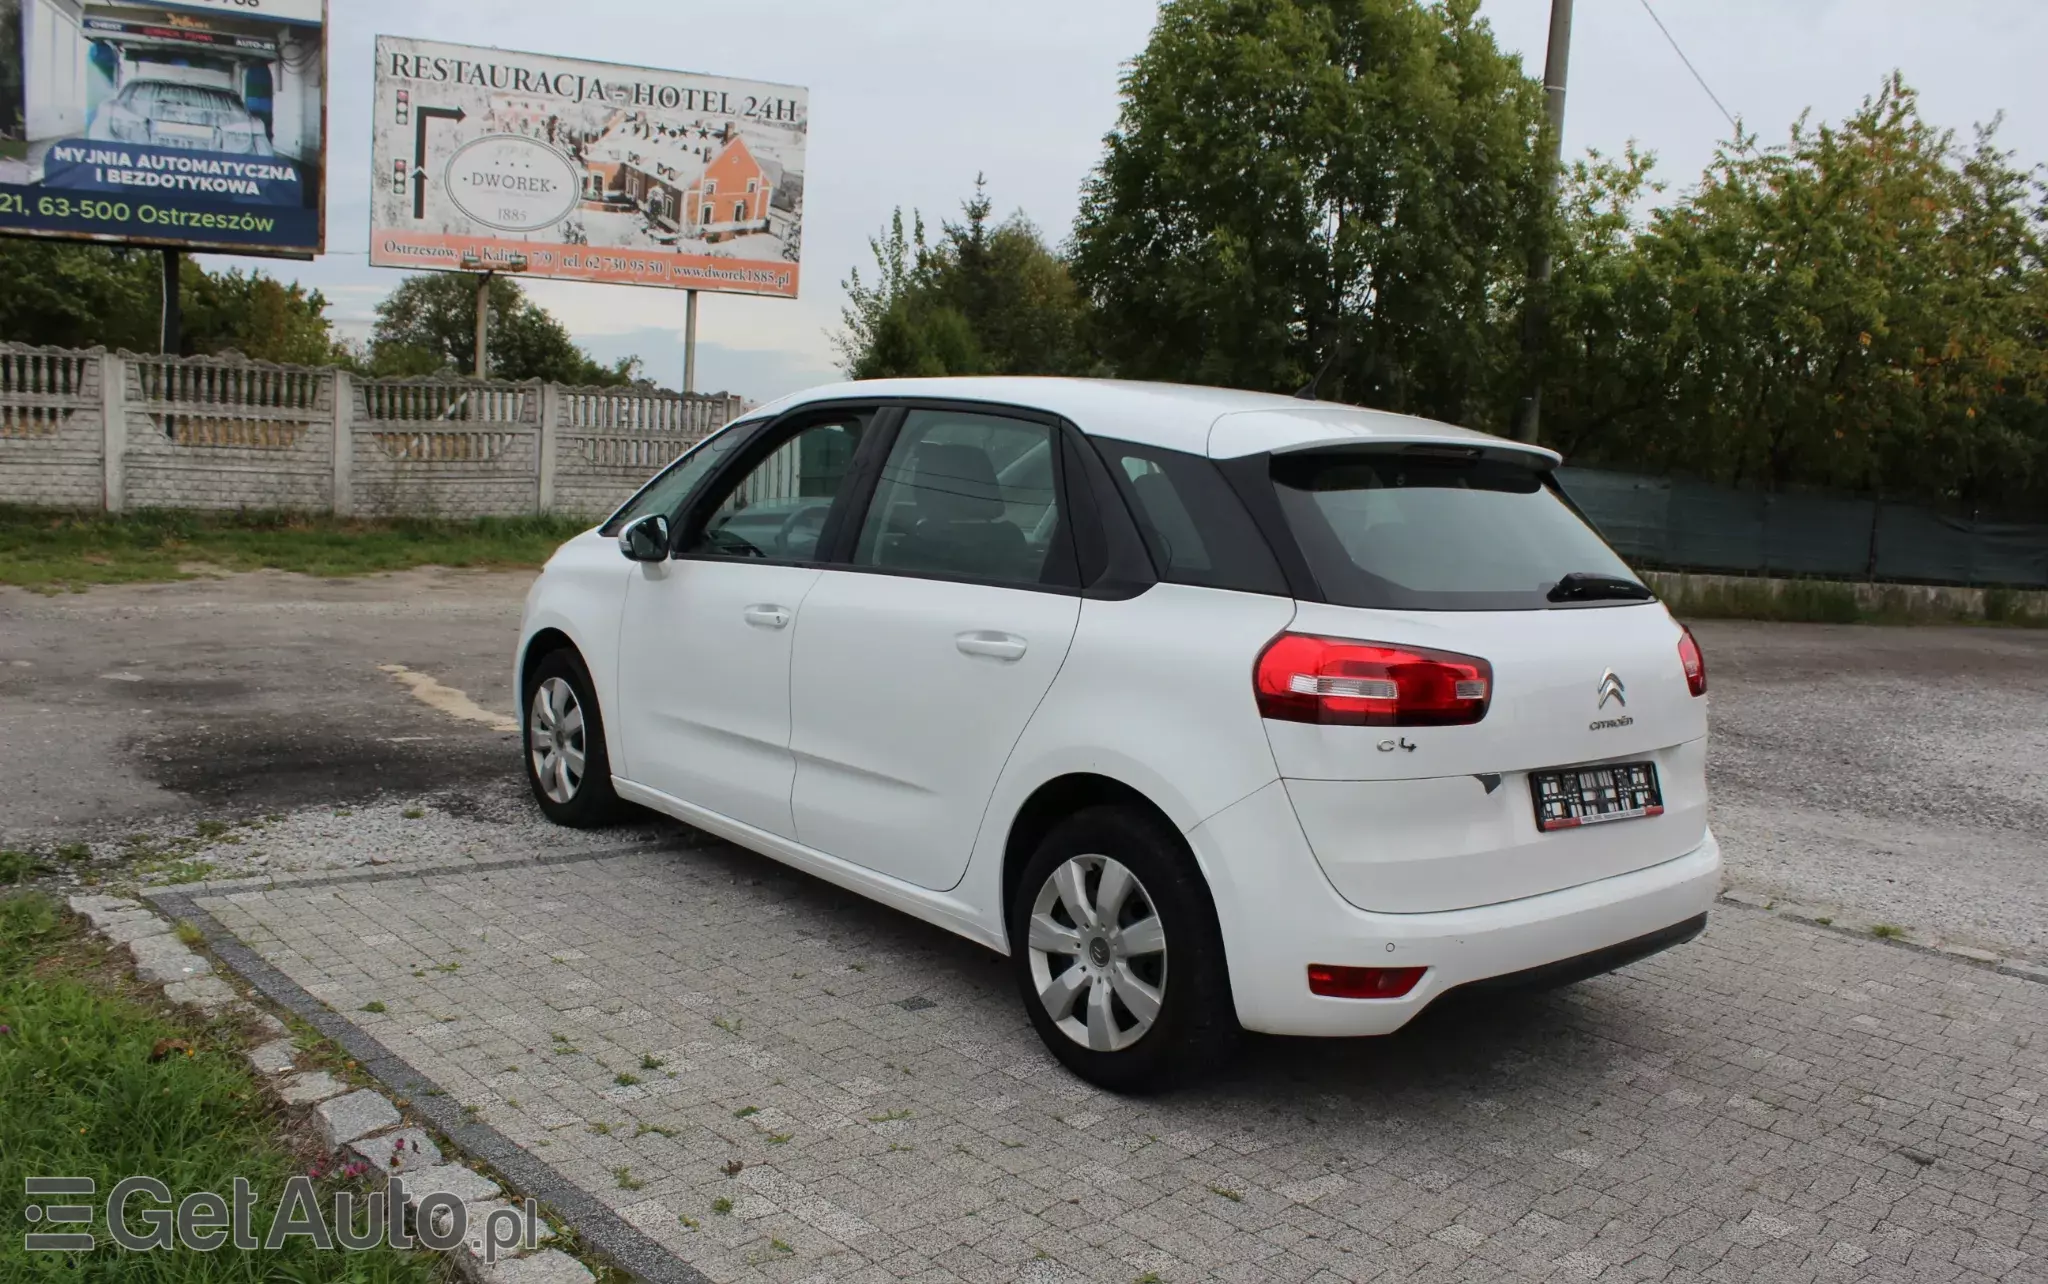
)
(1771, 1102)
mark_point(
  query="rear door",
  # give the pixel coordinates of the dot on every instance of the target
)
(919, 662)
(1470, 553)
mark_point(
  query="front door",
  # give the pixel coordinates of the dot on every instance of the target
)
(705, 645)
(920, 661)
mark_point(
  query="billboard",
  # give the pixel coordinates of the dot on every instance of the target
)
(591, 171)
(195, 124)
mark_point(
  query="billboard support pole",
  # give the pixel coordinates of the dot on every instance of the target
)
(170, 340)
(483, 325)
(689, 342)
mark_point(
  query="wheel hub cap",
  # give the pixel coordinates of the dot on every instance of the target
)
(555, 740)
(1097, 952)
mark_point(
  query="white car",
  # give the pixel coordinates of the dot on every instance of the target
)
(1212, 710)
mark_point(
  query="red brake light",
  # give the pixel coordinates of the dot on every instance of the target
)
(1695, 663)
(1362, 982)
(1369, 684)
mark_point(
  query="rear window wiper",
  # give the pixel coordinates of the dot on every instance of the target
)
(1583, 586)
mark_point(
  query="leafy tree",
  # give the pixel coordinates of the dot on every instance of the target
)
(255, 315)
(1860, 307)
(81, 296)
(1290, 179)
(986, 298)
(428, 324)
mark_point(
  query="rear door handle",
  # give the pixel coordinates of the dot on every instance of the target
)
(999, 646)
(767, 616)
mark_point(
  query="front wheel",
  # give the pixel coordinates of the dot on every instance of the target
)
(1117, 953)
(566, 762)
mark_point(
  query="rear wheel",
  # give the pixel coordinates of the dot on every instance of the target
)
(566, 762)
(1117, 954)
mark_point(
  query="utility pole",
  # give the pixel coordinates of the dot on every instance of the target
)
(689, 342)
(485, 270)
(1535, 314)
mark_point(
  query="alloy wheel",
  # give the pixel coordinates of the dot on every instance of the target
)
(555, 740)
(1098, 953)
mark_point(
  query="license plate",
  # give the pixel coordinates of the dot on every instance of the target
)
(1595, 795)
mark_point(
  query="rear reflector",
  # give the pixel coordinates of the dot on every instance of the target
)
(1301, 678)
(1362, 982)
(1695, 663)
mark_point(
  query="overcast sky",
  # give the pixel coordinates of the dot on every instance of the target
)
(910, 98)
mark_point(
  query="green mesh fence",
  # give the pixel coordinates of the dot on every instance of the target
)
(1691, 526)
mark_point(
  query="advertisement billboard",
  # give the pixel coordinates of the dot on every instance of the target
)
(194, 124)
(590, 171)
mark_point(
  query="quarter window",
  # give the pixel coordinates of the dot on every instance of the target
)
(970, 496)
(1194, 525)
(776, 511)
(666, 493)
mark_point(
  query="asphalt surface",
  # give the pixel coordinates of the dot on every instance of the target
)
(1885, 775)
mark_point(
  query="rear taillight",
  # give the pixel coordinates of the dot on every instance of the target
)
(1362, 982)
(1335, 682)
(1695, 663)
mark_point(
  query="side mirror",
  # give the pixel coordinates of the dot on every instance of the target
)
(645, 540)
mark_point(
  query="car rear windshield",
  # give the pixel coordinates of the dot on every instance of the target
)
(1434, 530)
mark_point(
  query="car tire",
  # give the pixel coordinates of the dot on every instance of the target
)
(559, 696)
(1116, 1012)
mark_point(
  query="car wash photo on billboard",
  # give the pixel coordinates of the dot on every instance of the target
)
(585, 171)
(196, 124)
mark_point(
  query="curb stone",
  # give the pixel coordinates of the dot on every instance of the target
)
(1808, 916)
(309, 1088)
(357, 1115)
(364, 1121)
(401, 1153)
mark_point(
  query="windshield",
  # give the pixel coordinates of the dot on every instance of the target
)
(1434, 531)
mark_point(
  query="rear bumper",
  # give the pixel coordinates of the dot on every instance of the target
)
(1280, 914)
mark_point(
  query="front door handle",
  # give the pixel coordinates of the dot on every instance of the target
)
(767, 616)
(998, 646)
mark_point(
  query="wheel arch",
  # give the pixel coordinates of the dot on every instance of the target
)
(543, 643)
(1067, 795)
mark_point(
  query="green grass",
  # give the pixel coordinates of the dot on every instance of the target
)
(79, 1097)
(52, 551)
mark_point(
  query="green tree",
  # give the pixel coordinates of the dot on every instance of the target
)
(1860, 307)
(428, 324)
(1290, 179)
(79, 296)
(82, 296)
(985, 298)
(255, 315)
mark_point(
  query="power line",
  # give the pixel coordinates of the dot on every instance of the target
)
(1673, 41)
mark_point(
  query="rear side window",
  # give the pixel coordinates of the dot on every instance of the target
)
(1405, 530)
(1193, 523)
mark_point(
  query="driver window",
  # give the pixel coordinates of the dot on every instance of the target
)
(776, 511)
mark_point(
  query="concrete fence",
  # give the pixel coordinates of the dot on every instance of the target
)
(96, 429)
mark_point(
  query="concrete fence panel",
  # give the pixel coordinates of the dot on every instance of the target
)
(610, 441)
(96, 429)
(431, 448)
(222, 433)
(52, 448)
